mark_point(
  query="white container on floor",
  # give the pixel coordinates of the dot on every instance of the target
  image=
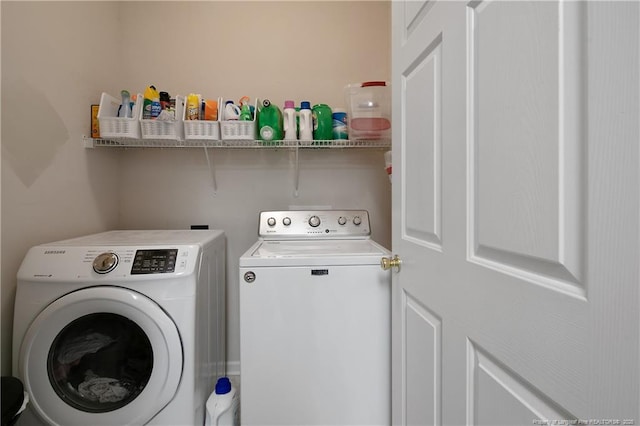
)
(223, 406)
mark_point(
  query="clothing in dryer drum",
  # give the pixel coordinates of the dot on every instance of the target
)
(100, 362)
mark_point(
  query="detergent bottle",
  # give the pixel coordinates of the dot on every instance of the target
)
(270, 122)
(150, 93)
(231, 111)
(156, 107)
(322, 122)
(289, 121)
(306, 122)
(222, 407)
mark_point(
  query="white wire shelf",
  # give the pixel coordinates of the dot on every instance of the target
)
(293, 146)
(234, 144)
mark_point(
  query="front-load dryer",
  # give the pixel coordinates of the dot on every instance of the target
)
(121, 327)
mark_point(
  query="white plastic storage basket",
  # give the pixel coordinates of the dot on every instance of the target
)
(239, 130)
(202, 129)
(165, 129)
(112, 126)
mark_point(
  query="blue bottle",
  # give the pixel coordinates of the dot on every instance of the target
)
(156, 107)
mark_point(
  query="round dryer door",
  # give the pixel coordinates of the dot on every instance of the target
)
(101, 356)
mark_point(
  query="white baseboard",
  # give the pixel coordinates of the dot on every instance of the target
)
(233, 368)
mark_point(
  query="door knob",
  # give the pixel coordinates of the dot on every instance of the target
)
(387, 263)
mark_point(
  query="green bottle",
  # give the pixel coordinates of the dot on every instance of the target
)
(245, 113)
(322, 123)
(270, 127)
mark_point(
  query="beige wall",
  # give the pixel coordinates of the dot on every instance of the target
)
(55, 57)
(274, 50)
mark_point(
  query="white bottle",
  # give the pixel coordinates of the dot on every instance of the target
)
(222, 406)
(231, 111)
(289, 121)
(306, 122)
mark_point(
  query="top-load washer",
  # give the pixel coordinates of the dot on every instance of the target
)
(122, 327)
(315, 342)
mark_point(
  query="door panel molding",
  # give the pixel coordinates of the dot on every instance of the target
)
(414, 13)
(531, 225)
(422, 103)
(422, 372)
(509, 396)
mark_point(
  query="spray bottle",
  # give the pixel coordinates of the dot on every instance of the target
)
(245, 109)
(125, 108)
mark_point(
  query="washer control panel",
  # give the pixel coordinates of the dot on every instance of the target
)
(304, 224)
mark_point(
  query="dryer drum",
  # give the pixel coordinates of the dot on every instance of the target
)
(100, 362)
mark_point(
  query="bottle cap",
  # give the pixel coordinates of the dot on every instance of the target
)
(305, 105)
(289, 104)
(223, 386)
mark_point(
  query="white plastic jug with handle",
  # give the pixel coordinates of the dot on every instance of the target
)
(289, 121)
(306, 122)
(223, 405)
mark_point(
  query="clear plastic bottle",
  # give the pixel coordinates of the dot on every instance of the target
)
(306, 121)
(290, 129)
(125, 108)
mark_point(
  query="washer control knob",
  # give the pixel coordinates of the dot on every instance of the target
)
(314, 221)
(105, 263)
(342, 220)
(271, 221)
(286, 221)
(357, 220)
(249, 276)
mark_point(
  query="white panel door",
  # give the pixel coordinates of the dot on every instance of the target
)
(516, 212)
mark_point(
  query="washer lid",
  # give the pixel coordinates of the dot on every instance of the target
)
(48, 364)
(316, 248)
(313, 252)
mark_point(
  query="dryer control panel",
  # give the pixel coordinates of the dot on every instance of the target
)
(314, 224)
(159, 261)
